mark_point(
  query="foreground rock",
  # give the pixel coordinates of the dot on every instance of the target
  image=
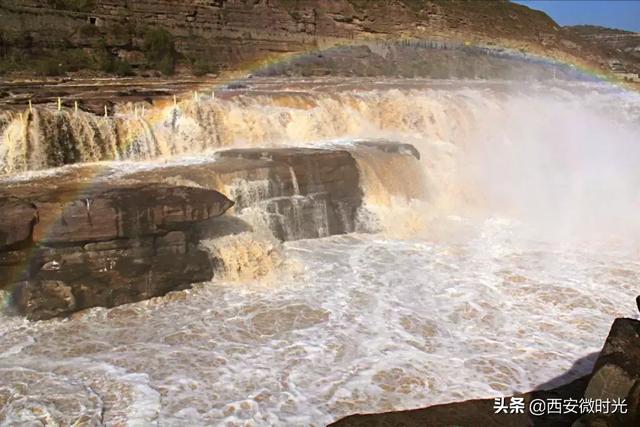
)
(472, 413)
(293, 193)
(616, 375)
(63, 249)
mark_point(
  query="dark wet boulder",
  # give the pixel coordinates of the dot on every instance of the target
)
(64, 280)
(616, 377)
(472, 413)
(300, 192)
(68, 215)
(17, 218)
(391, 147)
(102, 244)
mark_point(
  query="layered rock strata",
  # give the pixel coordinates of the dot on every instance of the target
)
(294, 193)
(230, 33)
(68, 248)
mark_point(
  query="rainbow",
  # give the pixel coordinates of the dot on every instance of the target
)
(100, 170)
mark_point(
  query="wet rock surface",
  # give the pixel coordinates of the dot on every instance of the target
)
(471, 413)
(69, 248)
(92, 95)
(62, 281)
(615, 376)
(94, 236)
(297, 192)
(16, 221)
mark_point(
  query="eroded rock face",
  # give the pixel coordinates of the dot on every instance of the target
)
(68, 249)
(62, 281)
(616, 376)
(295, 193)
(99, 214)
(226, 33)
(17, 218)
(80, 239)
(273, 25)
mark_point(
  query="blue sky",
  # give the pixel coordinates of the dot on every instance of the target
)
(623, 14)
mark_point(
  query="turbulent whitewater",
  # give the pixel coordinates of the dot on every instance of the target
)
(493, 264)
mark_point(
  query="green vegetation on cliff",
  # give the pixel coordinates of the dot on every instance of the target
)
(160, 50)
(57, 62)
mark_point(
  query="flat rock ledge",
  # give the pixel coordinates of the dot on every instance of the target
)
(300, 192)
(67, 248)
(616, 375)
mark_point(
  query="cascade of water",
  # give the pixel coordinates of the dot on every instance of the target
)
(244, 257)
(56, 137)
(474, 139)
(395, 190)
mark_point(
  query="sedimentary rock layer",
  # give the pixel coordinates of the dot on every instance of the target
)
(68, 248)
(227, 33)
(295, 193)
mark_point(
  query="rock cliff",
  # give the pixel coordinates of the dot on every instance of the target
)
(621, 49)
(294, 193)
(229, 34)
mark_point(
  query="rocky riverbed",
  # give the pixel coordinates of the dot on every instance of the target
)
(84, 238)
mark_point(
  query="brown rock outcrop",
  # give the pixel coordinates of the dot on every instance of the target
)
(61, 281)
(80, 239)
(299, 192)
(98, 214)
(68, 249)
(616, 376)
(16, 221)
(618, 50)
(472, 413)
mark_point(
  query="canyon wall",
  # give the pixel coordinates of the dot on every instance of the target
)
(227, 34)
(620, 48)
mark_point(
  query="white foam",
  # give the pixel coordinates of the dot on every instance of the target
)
(370, 324)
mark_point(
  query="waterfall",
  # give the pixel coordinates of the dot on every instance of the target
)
(395, 185)
(49, 138)
(484, 146)
(245, 257)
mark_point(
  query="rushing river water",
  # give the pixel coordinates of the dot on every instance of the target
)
(507, 275)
